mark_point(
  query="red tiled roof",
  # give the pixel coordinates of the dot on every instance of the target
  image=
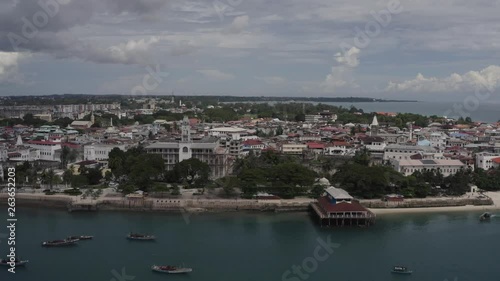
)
(43, 142)
(252, 142)
(354, 206)
(496, 160)
(315, 145)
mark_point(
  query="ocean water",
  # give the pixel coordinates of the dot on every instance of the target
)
(255, 247)
(486, 112)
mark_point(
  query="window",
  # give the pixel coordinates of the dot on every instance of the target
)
(185, 149)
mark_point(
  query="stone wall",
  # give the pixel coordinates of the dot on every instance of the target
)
(423, 203)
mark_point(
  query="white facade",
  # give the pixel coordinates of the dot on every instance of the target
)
(100, 151)
(293, 148)
(438, 140)
(47, 149)
(234, 132)
(446, 167)
(405, 151)
(484, 160)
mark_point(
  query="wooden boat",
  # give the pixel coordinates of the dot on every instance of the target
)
(171, 269)
(82, 237)
(144, 237)
(60, 243)
(18, 262)
(485, 216)
(401, 270)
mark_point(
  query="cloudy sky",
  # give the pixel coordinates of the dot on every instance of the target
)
(415, 49)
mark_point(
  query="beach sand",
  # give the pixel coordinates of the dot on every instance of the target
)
(495, 196)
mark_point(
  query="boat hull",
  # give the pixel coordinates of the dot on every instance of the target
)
(176, 271)
(20, 263)
(60, 244)
(402, 272)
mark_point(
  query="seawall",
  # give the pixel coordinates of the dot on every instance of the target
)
(225, 205)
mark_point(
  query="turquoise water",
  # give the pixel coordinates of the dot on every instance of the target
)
(248, 247)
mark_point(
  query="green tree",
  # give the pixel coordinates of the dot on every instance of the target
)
(193, 172)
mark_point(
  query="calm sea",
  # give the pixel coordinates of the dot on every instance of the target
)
(486, 112)
(255, 247)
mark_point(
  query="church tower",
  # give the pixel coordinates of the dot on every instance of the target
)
(92, 118)
(374, 127)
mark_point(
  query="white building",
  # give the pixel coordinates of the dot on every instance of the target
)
(484, 160)
(206, 150)
(438, 140)
(100, 151)
(234, 133)
(446, 167)
(394, 151)
(47, 149)
(339, 148)
(293, 148)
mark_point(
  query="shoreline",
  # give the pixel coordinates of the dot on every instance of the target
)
(199, 206)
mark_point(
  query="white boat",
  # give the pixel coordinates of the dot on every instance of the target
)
(171, 269)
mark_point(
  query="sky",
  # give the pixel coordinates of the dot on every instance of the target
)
(444, 50)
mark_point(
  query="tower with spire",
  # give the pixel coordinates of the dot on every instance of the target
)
(374, 127)
(92, 118)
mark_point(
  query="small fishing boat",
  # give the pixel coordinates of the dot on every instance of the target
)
(82, 237)
(18, 262)
(144, 237)
(60, 243)
(171, 269)
(401, 270)
(485, 216)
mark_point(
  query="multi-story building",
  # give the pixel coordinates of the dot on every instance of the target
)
(339, 148)
(293, 148)
(100, 151)
(484, 160)
(48, 149)
(446, 167)
(207, 150)
(394, 151)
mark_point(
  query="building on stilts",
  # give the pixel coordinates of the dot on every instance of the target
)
(336, 208)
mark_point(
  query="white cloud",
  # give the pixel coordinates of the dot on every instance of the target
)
(341, 75)
(9, 67)
(238, 25)
(132, 51)
(273, 80)
(350, 58)
(488, 78)
(214, 74)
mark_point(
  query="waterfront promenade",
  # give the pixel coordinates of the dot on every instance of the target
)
(110, 200)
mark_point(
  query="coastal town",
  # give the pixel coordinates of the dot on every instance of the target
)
(163, 153)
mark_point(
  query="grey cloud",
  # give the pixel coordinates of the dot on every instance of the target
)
(56, 18)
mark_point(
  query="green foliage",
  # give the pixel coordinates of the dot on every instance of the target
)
(192, 172)
(275, 173)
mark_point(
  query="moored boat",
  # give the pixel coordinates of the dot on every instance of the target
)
(60, 243)
(81, 237)
(136, 236)
(171, 269)
(18, 262)
(401, 270)
(485, 216)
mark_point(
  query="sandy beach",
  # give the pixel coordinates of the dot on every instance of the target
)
(495, 196)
